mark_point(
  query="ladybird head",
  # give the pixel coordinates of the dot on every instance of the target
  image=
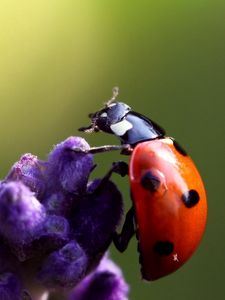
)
(129, 126)
(112, 113)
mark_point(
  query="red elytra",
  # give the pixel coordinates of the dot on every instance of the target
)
(169, 228)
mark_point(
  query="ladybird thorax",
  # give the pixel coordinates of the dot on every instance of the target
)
(130, 127)
(135, 128)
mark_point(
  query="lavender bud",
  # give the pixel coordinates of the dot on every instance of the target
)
(21, 214)
(55, 232)
(10, 287)
(95, 217)
(105, 283)
(53, 235)
(67, 170)
(65, 267)
(8, 262)
(58, 204)
(29, 169)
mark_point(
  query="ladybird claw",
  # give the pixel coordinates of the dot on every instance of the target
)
(121, 168)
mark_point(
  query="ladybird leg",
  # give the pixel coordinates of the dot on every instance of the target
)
(119, 167)
(125, 148)
(122, 239)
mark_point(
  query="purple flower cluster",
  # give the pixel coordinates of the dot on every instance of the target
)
(55, 227)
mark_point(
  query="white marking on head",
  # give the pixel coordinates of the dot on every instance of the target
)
(112, 104)
(121, 127)
(104, 115)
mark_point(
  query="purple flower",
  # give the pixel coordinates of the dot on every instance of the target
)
(58, 203)
(10, 287)
(21, 214)
(29, 169)
(95, 217)
(55, 233)
(55, 227)
(65, 267)
(8, 262)
(105, 283)
(67, 170)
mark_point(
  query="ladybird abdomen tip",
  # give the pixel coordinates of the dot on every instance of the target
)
(148, 277)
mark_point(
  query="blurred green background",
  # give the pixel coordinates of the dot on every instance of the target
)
(59, 61)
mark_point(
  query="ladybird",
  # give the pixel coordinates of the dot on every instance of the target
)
(169, 205)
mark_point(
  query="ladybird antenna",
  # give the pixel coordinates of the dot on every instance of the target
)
(89, 129)
(115, 93)
(94, 116)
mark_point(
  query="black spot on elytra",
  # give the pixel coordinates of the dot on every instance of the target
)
(150, 182)
(179, 148)
(190, 198)
(163, 248)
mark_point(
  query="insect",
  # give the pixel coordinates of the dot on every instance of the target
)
(168, 196)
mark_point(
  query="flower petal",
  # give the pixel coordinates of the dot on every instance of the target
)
(67, 170)
(105, 283)
(65, 267)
